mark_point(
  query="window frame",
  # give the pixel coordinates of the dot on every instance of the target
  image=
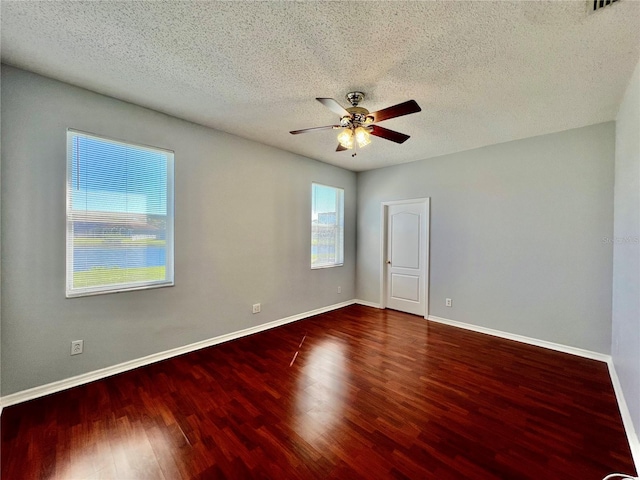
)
(169, 281)
(339, 225)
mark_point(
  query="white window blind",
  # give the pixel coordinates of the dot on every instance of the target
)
(327, 226)
(119, 216)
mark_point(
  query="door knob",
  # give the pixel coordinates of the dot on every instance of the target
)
(388, 262)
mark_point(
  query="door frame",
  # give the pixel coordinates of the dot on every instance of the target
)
(384, 210)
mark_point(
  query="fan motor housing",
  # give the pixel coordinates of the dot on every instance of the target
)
(360, 110)
(359, 116)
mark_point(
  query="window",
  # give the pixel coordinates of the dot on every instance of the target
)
(119, 216)
(327, 226)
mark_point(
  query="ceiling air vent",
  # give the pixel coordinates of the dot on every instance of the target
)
(595, 5)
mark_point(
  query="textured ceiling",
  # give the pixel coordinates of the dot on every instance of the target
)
(483, 72)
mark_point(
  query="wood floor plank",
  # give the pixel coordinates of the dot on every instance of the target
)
(353, 393)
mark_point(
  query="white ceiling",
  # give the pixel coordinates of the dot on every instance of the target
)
(483, 72)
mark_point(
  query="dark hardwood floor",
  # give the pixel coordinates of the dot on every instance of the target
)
(370, 394)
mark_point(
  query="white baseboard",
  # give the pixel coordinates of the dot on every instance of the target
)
(521, 338)
(60, 385)
(632, 436)
(367, 304)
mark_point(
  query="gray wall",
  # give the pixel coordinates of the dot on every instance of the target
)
(242, 236)
(625, 346)
(517, 234)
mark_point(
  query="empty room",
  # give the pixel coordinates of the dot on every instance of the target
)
(308, 240)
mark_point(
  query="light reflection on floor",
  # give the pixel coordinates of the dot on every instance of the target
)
(321, 389)
(110, 457)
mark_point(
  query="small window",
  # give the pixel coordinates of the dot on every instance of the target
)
(119, 216)
(327, 226)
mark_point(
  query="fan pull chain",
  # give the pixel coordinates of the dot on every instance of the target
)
(355, 144)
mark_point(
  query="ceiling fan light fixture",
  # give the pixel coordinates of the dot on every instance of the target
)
(345, 138)
(362, 137)
(357, 124)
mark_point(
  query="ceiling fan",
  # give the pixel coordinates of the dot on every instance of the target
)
(358, 123)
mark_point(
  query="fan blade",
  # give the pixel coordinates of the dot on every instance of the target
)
(296, 132)
(341, 148)
(396, 111)
(334, 106)
(388, 134)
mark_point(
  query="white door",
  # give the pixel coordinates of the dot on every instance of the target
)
(407, 256)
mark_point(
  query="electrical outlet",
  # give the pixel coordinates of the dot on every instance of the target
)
(339, 289)
(256, 308)
(447, 302)
(77, 346)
